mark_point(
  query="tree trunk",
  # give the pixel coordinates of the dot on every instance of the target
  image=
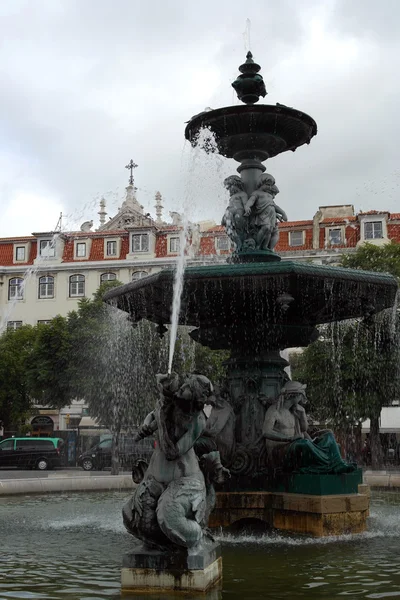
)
(375, 443)
(115, 453)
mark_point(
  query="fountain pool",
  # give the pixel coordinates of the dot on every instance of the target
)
(70, 547)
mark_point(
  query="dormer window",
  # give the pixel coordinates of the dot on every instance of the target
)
(111, 248)
(335, 237)
(47, 249)
(373, 230)
(81, 249)
(174, 245)
(140, 242)
(20, 252)
(223, 243)
(296, 238)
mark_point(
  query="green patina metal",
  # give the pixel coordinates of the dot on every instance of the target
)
(318, 485)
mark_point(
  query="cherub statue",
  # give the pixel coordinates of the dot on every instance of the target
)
(264, 213)
(170, 505)
(234, 221)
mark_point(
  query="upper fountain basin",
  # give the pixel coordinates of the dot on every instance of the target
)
(253, 132)
(253, 296)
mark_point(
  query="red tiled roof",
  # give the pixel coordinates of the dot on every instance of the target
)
(7, 252)
(88, 234)
(22, 238)
(295, 223)
(394, 216)
(374, 212)
(216, 229)
(170, 228)
(329, 220)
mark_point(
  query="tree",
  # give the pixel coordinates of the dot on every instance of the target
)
(48, 366)
(353, 370)
(16, 401)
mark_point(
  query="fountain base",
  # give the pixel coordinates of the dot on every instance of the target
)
(315, 515)
(153, 571)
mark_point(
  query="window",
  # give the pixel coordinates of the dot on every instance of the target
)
(47, 249)
(174, 244)
(139, 275)
(15, 289)
(111, 249)
(20, 253)
(81, 249)
(44, 322)
(296, 238)
(107, 277)
(46, 287)
(7, 445)
(140, 242)
(223, 243)
(335, 236)
(106, 443)
(373, 230)
(76, 286)
(14, 325)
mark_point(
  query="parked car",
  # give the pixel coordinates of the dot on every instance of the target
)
(99, 456)
(31, 452)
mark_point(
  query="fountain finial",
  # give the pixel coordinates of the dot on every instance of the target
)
(249, 86)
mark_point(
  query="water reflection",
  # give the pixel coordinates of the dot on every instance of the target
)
(71, 546)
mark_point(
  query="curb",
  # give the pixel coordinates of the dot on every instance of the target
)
(12, 487)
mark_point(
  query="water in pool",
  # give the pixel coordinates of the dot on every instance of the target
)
(70, 547)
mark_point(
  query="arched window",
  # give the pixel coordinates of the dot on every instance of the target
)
(139, 275)
(15, 289)
(76, 286)
(107, 277)
(46, 287)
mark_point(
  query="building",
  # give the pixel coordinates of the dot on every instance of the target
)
(46, 273)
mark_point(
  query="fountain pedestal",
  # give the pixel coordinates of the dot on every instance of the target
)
(310, 514)
(153, 571)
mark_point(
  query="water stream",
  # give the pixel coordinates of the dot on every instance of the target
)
(70, 547)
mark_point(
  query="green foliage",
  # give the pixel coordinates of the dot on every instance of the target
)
(16, 402)
(353, 369)
(368, 257)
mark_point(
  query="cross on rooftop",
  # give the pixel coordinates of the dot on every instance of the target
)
(131, 166)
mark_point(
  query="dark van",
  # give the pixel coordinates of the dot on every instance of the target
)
(31, 452)
(99, 456)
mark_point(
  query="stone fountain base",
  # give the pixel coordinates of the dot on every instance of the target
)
(153, 571)
(310, 514)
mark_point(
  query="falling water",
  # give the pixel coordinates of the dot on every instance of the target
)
(177, 295)
(202, 175)
(246, 36)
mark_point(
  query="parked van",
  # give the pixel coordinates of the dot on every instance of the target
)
(99, 456)
(31, 452)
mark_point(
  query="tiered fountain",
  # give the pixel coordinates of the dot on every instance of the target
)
(257, 305)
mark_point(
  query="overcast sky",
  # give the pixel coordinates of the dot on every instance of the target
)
(86, 85)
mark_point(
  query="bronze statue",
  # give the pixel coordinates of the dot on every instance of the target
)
(290, 447)
(173, 500)
(233, 219)
(264, 213)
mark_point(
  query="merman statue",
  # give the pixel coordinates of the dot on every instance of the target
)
(290, 447)
(171, 504)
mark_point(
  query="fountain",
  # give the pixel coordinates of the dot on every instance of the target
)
(256, 305)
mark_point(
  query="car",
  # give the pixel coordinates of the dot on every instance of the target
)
(99, 456)
(31, 452)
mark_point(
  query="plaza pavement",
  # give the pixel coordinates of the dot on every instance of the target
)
(13, 481)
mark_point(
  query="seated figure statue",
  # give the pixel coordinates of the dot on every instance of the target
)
(290, 447)
(171, 504)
